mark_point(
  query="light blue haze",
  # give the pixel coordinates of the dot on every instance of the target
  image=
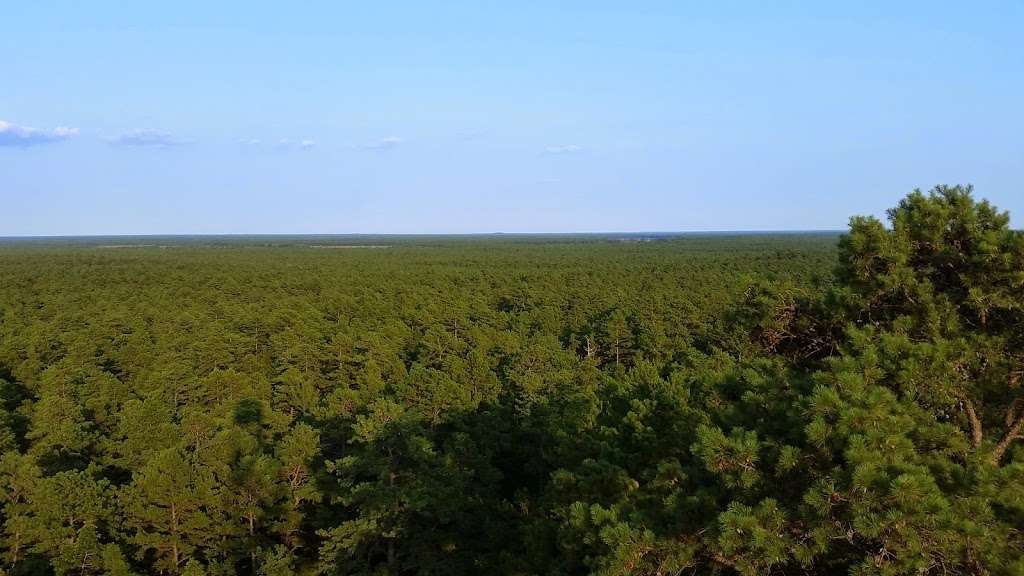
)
(454, 117)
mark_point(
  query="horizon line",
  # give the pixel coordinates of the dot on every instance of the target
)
(421, 234)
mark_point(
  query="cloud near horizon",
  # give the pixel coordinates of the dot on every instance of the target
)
(565, 149)
(471, 135)
(304, 144)
(147, 139)
(12, 135)
(384, 143)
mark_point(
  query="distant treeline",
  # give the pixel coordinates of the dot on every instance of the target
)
(710, 404)
(407, 240)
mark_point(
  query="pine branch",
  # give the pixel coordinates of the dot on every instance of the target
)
(972, 417)
(1012, 434)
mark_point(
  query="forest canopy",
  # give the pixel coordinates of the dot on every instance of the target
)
(746, 404)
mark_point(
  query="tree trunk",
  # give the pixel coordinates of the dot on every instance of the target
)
(1012, 434)
(174, 537)
(391, 541)
(972, 417)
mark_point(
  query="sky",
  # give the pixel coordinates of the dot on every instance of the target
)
(193, 117)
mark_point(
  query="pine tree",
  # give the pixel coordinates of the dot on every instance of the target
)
(172, 508)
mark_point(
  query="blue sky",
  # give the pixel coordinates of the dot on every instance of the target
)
(423, 117)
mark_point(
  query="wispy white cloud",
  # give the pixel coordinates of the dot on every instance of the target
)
(147, 139)
(288, 143)
(564, 149)
(384, 143)
(471, 135)
(12, 135)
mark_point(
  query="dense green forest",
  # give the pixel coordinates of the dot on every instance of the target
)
(719, 404)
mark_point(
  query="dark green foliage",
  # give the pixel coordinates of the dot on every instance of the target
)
(761, 404)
